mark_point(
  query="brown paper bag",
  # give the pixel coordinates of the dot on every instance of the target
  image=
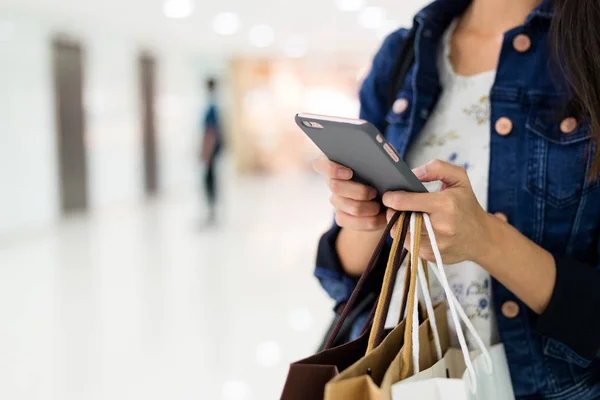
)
(373, 375)
(307, 378)
(366, 379)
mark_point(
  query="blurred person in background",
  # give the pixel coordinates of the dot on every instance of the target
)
(211, 147)
(507, 94)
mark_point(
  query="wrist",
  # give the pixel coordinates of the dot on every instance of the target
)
(354, 249)
(491, 241)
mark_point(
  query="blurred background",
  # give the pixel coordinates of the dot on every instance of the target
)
(113, 282)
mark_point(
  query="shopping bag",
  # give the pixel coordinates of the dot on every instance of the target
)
(460, 374)
(364, 380)
(307, 378)
(448, 379)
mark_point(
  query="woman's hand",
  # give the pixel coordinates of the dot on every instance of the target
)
(460, 224)
(355, 207)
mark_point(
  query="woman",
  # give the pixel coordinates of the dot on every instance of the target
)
(520, 199)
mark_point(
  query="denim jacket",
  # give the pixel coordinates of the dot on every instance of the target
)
(539, 177)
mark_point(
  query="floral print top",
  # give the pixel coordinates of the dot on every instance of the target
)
(458, 131)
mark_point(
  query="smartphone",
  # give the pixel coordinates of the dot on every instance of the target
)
(358, 145)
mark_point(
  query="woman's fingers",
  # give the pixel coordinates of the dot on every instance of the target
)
(458, 219)
(355, 207)
(340, 180)
(330, 169)
(419, 202)
(388, 216)
(352, 190)
(451, 175)
(348, 221)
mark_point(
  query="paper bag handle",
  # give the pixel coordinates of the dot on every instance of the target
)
(457, 313)
(359, 285)
(397, 256)
(416, 225)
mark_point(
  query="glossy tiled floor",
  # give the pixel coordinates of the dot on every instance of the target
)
(142, 303)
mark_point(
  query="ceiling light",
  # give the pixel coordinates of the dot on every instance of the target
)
(387, 28)
(295, 47)
(178, 8)
(261, 36)
(226, 23)
(372, 17)
(349, 5)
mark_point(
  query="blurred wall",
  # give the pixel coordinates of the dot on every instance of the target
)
(113, 137)
(29, 192)
(28, 156)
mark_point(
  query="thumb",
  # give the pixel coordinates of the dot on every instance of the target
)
(449, 174)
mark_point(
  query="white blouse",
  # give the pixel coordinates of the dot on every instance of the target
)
(458, 131)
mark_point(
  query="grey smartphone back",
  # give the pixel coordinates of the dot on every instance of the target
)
(358, 145)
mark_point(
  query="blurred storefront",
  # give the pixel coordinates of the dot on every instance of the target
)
(267, 96)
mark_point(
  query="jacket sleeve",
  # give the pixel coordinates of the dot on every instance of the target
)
(329, 269)
(374, 97)
(573, 314)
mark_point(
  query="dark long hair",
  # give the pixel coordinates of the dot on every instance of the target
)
(575, 31)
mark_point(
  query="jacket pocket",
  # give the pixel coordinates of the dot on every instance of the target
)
(557, 350)
(565, 369)
(557, 169)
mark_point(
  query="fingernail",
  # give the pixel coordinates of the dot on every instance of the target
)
(420, 172)
(344, 173)
(372, 193)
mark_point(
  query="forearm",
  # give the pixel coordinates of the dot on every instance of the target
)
(526, 269)
(355, 248)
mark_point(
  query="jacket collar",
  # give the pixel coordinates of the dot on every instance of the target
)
(545, 11)
(442, 12)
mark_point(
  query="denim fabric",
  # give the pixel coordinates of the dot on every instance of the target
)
(539, 176)
(338, 285)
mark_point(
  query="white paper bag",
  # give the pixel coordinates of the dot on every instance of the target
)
(497, 385)
(459, 374)
(431, 389)
(448, 379)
